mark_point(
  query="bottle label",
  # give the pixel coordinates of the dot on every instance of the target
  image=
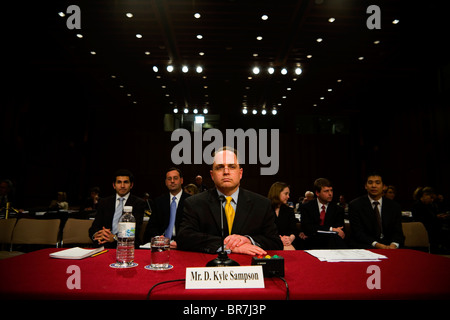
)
(126, 229)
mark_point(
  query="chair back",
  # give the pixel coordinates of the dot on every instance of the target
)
(76, 231)
(36, 231)
(416, 236)
(6, 229)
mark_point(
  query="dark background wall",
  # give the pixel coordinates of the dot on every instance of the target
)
(59, 136)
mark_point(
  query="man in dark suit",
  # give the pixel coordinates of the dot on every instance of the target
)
(249, 226)
(323, 220)
(104, 228)
(375, 221)
(161, 214)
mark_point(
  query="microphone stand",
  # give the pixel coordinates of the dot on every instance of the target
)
(222, 259)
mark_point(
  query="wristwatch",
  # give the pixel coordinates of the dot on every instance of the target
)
(115, 237)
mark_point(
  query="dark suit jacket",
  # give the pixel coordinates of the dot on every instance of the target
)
(310, 214)
(105, 214)
(286, 222)
(201, 225)
(363, 223)
(159, 219)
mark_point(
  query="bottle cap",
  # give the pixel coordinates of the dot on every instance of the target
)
(127, 209)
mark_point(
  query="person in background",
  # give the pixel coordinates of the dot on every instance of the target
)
(285, 218)
(92, 201)
(375, 221)
(60, 203)
(109, 211)
(323, 220)
(168, 209)
(390, 192)
(425, 211)
(191, 189)
(199, 183)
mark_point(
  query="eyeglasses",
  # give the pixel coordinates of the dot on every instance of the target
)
(230, 167)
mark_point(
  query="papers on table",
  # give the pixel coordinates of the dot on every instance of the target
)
(75, 253)
(346, 255)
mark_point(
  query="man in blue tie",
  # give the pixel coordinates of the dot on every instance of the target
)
(167, 209)
(109, 210)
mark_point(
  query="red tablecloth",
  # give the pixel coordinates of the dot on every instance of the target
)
(406, 274)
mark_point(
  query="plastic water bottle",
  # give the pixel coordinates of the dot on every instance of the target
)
(125, 237)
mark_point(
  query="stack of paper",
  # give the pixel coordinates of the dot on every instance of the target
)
(346, 255)
(75, 253)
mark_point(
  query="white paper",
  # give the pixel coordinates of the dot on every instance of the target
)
(346, 255)
(75, 253)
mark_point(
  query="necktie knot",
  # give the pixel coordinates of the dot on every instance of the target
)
(229, 199)
(375, 203)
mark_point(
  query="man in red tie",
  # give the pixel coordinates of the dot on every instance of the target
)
(322, 220)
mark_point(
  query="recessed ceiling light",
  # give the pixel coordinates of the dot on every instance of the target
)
(264, 17)
(395, 21)
(175, 110)
(274, 111)
(129, 15)
(79, 36)
(93, 52)
(283, 71)
(147, 53)
(185, 69)
(331, 20)
(271, 70)
(309, 56)
(360, 58)
(329, 90)
(199, 36)
(298, 71)
(255, 111)
(255, 70)
(61, 14)
(263, 112)
(155, 68)
(259, 38)
(201, 53)
(169, 68)
(197, 15)
(138, 35)
(319, 39)
(205, 110)
(199, 69)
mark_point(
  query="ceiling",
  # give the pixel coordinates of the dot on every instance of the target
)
(350, 58)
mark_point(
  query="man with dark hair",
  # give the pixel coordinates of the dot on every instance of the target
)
(375, 221)
(167, 209)
(322, 219)
(109, 210)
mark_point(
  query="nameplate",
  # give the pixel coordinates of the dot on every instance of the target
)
(242, 277)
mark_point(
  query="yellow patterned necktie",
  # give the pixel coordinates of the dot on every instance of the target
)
(229, 213)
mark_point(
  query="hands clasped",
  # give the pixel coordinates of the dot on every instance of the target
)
(240, 244)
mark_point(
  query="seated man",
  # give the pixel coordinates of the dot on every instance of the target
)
(375, 221)
(323, 220)
(109, 210)
(249, 225)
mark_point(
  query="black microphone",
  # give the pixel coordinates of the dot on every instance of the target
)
(222, 259)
